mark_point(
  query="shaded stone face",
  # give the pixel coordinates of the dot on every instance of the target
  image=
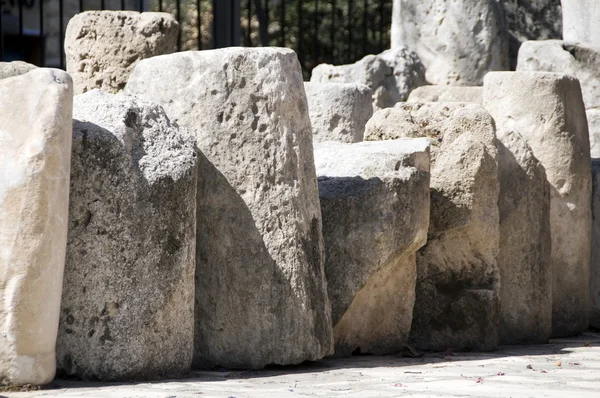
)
(35, 144)
(375, 204)
(391, 75)
(581, 60)
(103, 47)
(338, 111)
(457, 291)
(458, 41)
(581, 21)
(547, 110)
(525, 235)
(447, 94)
(127, 307)
(260, 287)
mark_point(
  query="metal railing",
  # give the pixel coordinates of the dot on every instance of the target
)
(333, 31)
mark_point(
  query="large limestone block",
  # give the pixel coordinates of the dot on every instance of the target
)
(261, 296)
(338, 111)
(457, 294)
(391, 75)
(103, 47)
(375, 205)
(458, 41)
(127, 309)
(580, 60)
(525, 238)
(531, 20)
(35, 157)
(547, 110)
(595, 259)
(581, 21)
(447, 94)
(15, 68)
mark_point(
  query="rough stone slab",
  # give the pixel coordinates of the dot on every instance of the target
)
(580, 60)
(14, 68)
(261, 296)
(375, 205)
(103, 47)
(525, 239)
(338, 111)
(35, 157)
(581, 21)
(458, 41)
(447, 94)
(547, 110)
(127, 310)
(531, 20)
(457, 295)
(391, 75)
(595, 259)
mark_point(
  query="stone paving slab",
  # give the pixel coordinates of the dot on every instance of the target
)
(512, 371)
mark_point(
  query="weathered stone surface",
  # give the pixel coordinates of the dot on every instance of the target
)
(391, 75)
(547, 110)
(581, 21)
(127, 309)
(531, 20)
(581, 60)
(447, 94)
(103, 47)
(525, 239)
(375, 205)
(595, 259)
(338, 111)
(261, 296)
(458, 41)
(35, 157)
(15, 68)
(457, 295)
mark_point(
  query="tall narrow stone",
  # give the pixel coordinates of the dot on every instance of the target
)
(457, 294)
(525, 239)
(581, 21)
(458, 41)
(260, 288)
(35, 157)
(127, 307)
(547, 110)
(103, 47)
(375, 204)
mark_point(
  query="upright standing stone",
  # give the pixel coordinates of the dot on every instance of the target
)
(260, 288)
(391, 75)
(15, 68)
(580, 60)
(447, 94)
(338, 111)
(458, 41)
(457, 295)
(547, 110)
(127, 308)
(103, 47)
(581, 21)
(35, 157)
(525, 239)
(375, 204)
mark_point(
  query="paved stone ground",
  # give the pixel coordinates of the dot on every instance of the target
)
(564, 368)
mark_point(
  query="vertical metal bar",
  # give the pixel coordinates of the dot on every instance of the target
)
(178, 16)
(160, 6)
(282, 24)
(80, 5)
(122, 4)
(198, 22)
(332, 31)
(102, 5)
(300, 11)
(61, 34)
(21, 40)
(1, 38)
(42, 38)
(141, 5)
